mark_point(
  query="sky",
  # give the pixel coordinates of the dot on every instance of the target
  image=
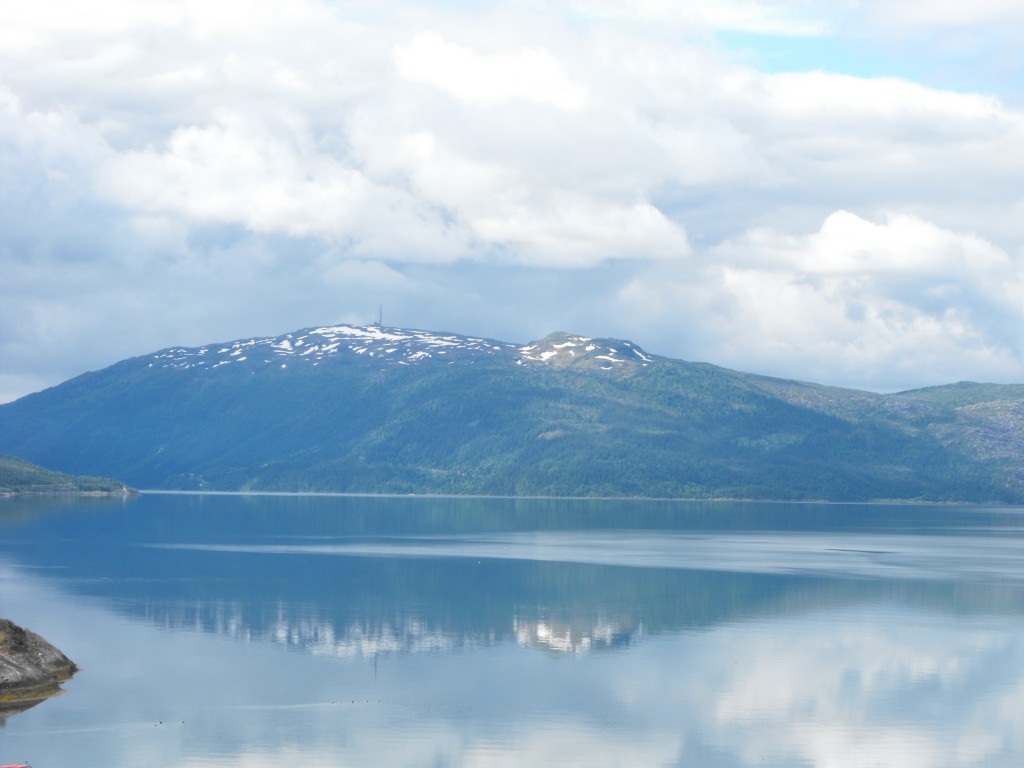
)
(830, 191)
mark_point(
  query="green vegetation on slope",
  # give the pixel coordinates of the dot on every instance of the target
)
(489, 426)
(18, 476)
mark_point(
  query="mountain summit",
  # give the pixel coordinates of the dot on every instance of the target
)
(380, 409)
(313, 346)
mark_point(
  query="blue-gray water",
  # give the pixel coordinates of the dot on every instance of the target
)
(326, 631)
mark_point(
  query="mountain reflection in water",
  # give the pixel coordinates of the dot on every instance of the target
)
(471, 631)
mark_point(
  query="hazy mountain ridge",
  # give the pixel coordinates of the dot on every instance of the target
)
(985, 421)
(372, 409)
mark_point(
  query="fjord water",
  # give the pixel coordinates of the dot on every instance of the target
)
(217, 630)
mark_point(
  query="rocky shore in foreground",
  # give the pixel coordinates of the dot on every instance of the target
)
(31, 669)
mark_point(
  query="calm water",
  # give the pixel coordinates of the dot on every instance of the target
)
(317, 631)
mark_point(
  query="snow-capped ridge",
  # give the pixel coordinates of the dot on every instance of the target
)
(564, 349)
(400, 346)
(315, 345)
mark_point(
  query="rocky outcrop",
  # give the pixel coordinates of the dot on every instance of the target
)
(31, 669)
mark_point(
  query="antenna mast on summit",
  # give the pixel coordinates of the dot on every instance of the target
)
(380, 316)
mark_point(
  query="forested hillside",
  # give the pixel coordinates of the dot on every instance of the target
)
(19, 477)
(393, 411)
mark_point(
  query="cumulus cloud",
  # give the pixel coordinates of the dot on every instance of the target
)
(532, 74)
(857, 300)
(165, 145)
(275, 180)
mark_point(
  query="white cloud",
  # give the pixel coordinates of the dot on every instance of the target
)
(605, 139)
(241, 170)
(532, 74)
(759, 16)
(919, 13)
(903, 245)
(902, 301)
(571, 231)
(878, 105)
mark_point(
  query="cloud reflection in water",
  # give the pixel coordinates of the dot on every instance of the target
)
(585, 646)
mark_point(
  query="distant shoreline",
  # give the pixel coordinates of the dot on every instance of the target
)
(126, 493)
(19, 477)
(365, 495)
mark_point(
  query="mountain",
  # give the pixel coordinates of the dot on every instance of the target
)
(377, 409)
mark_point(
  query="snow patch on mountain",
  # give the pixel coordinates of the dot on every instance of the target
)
(400, 346)
(314, 345)
(566, 349)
